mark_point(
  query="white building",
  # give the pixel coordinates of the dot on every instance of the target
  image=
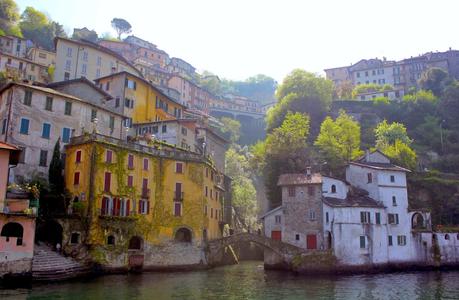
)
(366, 218)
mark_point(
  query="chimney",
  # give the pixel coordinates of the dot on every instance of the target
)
(367, 155)
(308, 173)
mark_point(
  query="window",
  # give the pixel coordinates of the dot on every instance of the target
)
(108, 156)
(178, 192)
(365, 217)
(107, 85)
(130, 181)
(358, 74)
(85, 56)
(446, 236)
(378, 218)
(144, 207)
(327, 218)
(43, 158)
(97, 73)
(111, 240)
(310, 190)
(392, 178)
(46, 131)
(68, 66)
(111, 122)
(278, 219)
(389, 240)
(312, 215)
(333, 189)
(117, 102)
(297, 237)
(66, 76)
(4, 122)
(76, 178)
(78, 156)
(145, 164)
(49, 103)
(65, 135)
(130, 84)
(22, 156)
(291, 191)
(179, 168)
(207, 191)
(164, 129)
(75, 238)
(99, 61)
(107, 181)
(370, 178)
(363, 240)
(178, 209)
(93, 115)
(130, 161)
(68, 108)
(401, 240)
(28, 98)
(394, 201)
(69, 52)
(129, 103)
(184, 131)
(83, 68)
(392, 218)
(24, 129)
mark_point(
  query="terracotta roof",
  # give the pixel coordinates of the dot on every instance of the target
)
(299, 179)
(6, 146)
(355, 198)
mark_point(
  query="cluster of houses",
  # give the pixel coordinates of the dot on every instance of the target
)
(400, 76)
(144, 168)
(365, 220)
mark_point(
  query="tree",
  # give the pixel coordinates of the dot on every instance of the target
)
(302, 92)
(121, 26)
(55, 171)
(370, 88)
(388, 134)
(232, 128)
(401, 154)
(420, 96)
(435, 80)
(343, 90)
(339, 141)
(9, 17)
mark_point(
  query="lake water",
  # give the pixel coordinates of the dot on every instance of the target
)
(249, 281)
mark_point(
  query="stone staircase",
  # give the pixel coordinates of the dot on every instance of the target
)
(48, 265)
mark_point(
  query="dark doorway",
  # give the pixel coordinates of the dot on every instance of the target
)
(13, 229)
(135, 243)
(183, 235)
(50, 232)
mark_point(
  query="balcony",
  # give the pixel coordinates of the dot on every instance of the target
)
(20, 204)
(178, 196)
(146, 193)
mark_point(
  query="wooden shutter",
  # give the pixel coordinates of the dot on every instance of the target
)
(78, 156)
(76, 178)
(127, 207)
(140, 206)
(107, 182)
(103, 210)
(148, 207)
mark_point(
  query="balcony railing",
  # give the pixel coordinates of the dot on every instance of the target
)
(178, 196)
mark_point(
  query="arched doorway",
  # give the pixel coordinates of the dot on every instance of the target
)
(329, 240)
(183, 235)
(135, 243)
(50, 232)
(13, 229)
(417, 221)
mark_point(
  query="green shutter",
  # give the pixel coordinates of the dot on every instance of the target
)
(362, 242)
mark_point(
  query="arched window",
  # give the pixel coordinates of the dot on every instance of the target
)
(75, 238)
(183, 235)
(446, 236)
(13, 229)
(333, 189)
(111, 240)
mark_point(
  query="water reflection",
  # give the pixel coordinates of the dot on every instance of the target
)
(250, 281)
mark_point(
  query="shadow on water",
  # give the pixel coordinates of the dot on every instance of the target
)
(248, 281)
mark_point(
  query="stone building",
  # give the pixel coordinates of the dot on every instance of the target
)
(75, 59)
(35, 117)
(22, 68)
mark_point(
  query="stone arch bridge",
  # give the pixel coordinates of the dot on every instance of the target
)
(279, 253)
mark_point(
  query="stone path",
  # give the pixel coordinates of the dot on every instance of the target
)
(48, 265)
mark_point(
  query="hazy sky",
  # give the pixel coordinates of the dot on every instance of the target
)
(240, 38)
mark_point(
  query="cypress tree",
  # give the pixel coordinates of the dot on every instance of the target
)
(55, 177)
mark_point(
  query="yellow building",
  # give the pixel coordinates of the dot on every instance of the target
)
(138, 99)
(141, 197)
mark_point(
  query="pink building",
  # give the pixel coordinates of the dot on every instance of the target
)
(17, 223)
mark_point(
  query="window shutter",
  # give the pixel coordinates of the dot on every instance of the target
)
(78, 156)
(148, 207)
(104, 205)
(126, 82)
(135, 85)
(127, 207)
(140, 206)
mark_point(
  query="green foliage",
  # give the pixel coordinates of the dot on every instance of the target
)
(420, 96)
(9, 17)
(434, 80)
(339, 141)
(56, 169)
(36, 27)
(343, 91)
(302, 92)
(401, 154)
(370, 88)
(381, 101)
(121, 26)
(231, 128)
(388, 134)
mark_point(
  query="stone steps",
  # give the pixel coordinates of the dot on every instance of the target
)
(48, 265)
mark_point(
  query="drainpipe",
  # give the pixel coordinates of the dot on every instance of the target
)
(76, 67)
(92, 171)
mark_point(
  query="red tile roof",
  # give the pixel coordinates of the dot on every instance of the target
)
(6, 146)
